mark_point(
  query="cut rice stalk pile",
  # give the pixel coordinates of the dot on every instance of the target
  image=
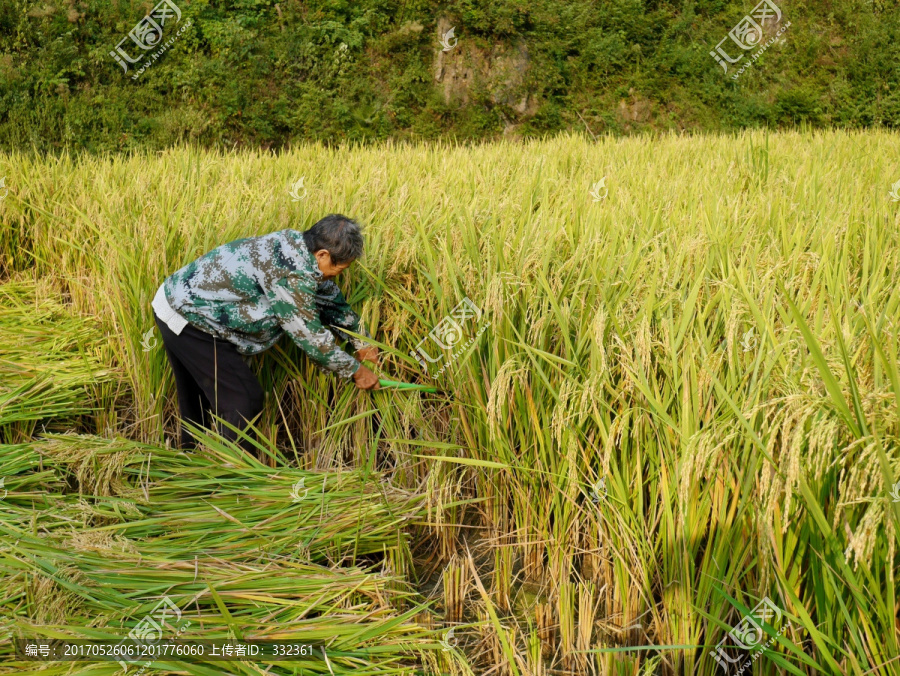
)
(237, 549)
(38, 398)
(24, 479)
(230, 506)
(56, 588)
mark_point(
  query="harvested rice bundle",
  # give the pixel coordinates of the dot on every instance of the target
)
(109, 576)
(254, 521)
(99, 590)
(193, 502)
(22, 406)
(23, 478)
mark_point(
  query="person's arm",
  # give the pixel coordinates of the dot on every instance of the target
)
(336, 311)
(293, 302)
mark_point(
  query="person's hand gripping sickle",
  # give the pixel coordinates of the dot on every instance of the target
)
(364, 378)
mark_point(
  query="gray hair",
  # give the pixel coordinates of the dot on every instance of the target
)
(337, 234)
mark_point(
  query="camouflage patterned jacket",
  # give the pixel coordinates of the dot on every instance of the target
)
(252, 290)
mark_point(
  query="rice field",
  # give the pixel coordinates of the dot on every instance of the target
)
(678, 403)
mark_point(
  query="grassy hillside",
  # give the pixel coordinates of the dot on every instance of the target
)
(260, 73)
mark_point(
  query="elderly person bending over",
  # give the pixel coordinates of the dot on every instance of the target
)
(239, 299)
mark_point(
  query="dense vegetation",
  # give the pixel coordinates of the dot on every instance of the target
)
(263, 73)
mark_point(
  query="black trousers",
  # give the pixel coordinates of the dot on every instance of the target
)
(210, 375)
